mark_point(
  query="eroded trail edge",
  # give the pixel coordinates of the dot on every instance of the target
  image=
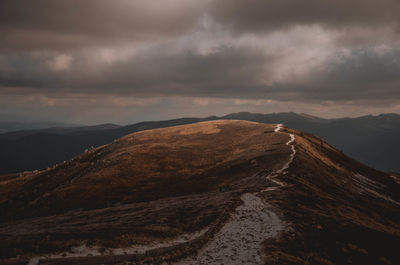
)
(239, 240)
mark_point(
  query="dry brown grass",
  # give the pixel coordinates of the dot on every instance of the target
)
(333, 223)
(170, 178)
(157, 184)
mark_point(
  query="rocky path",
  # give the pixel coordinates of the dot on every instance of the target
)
(239, 241)
(282, 171)
(278, 127)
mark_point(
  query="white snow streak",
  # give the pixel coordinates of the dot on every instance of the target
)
(84, 251)
(368, 186)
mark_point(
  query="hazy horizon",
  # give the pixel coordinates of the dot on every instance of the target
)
(63, 122)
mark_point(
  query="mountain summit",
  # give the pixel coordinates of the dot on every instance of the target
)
(224, 191)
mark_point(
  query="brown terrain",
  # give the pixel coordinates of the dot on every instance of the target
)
(218, 192)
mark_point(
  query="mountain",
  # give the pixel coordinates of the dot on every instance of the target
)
(16, 126)
(216, 192)
(31, 150)
(73, 130)
(372, 140)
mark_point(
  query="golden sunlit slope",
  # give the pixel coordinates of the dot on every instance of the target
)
(142, 166)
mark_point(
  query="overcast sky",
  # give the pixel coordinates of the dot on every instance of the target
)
(123, 61)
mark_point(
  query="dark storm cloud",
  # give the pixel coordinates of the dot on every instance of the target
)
(226, 73)
(241, 73)
(154, 73)
(285, 50)
(363, 75)
(61, 24)
(255, 15)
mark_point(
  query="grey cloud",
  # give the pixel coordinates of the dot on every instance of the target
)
(62, 24)
(243, 49)
(254, 15)
(364, 76)
(153, 73)
(230, 72)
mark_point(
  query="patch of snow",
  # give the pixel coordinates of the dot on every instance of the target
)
(379, 195)
(366, 181)
(34, 261)
(83, 250)
(367, 186)
(395, 179)
(141, 249)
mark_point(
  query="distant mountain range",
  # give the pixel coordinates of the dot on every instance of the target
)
(372, 140)
(7, 126)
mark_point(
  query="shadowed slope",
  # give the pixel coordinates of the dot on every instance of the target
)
(226, 187)
(341, 212)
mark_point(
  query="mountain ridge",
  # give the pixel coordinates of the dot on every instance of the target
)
(214, 183)
(370, 139)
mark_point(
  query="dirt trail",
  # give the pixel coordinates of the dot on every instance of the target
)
(239, 241)
(278, 127)
(282, 171)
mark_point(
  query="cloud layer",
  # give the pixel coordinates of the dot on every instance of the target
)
(298, 51)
